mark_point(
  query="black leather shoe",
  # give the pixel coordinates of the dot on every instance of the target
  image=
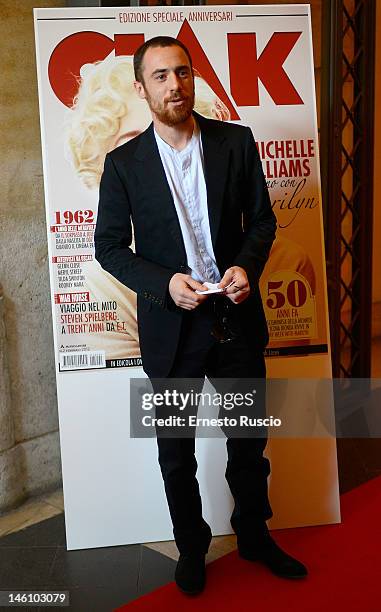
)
(190, 573)
(270, 554)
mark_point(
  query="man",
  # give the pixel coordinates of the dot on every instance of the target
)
(195, 192)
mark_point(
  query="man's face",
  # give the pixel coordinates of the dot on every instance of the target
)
(168, 84)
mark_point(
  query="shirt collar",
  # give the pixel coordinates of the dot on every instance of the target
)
(189, 147)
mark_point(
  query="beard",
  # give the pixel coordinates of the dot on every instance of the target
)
(171, 115)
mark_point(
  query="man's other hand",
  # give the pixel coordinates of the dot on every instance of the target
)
(182, 289)
(239, 288)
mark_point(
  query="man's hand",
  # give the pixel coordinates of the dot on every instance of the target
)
(182, 289)
(239, 288)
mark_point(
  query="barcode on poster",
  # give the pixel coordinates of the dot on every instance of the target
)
(82, 361)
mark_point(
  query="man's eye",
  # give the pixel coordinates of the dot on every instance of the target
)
(160, 77)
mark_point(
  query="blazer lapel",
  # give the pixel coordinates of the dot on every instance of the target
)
(147, 153)
(216, 162)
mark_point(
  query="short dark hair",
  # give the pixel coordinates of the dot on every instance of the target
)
(157, 41)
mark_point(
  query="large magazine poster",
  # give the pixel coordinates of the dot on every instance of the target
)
(253, 65)
(254, 69)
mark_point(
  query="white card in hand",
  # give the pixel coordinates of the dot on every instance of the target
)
(212, 288)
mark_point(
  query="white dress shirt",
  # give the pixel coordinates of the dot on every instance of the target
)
(185, 175)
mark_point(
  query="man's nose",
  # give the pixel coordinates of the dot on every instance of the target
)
(174, 82)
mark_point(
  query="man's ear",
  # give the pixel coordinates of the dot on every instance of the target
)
(139, 88)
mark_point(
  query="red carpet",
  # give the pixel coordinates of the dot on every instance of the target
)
(343, 560)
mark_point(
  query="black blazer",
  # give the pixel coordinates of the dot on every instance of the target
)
(134, 189)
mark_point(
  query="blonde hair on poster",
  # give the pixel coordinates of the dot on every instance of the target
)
(100, 105)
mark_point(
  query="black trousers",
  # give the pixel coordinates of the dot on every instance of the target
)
(200, 354)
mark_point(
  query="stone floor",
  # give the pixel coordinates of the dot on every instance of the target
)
(98, 579)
